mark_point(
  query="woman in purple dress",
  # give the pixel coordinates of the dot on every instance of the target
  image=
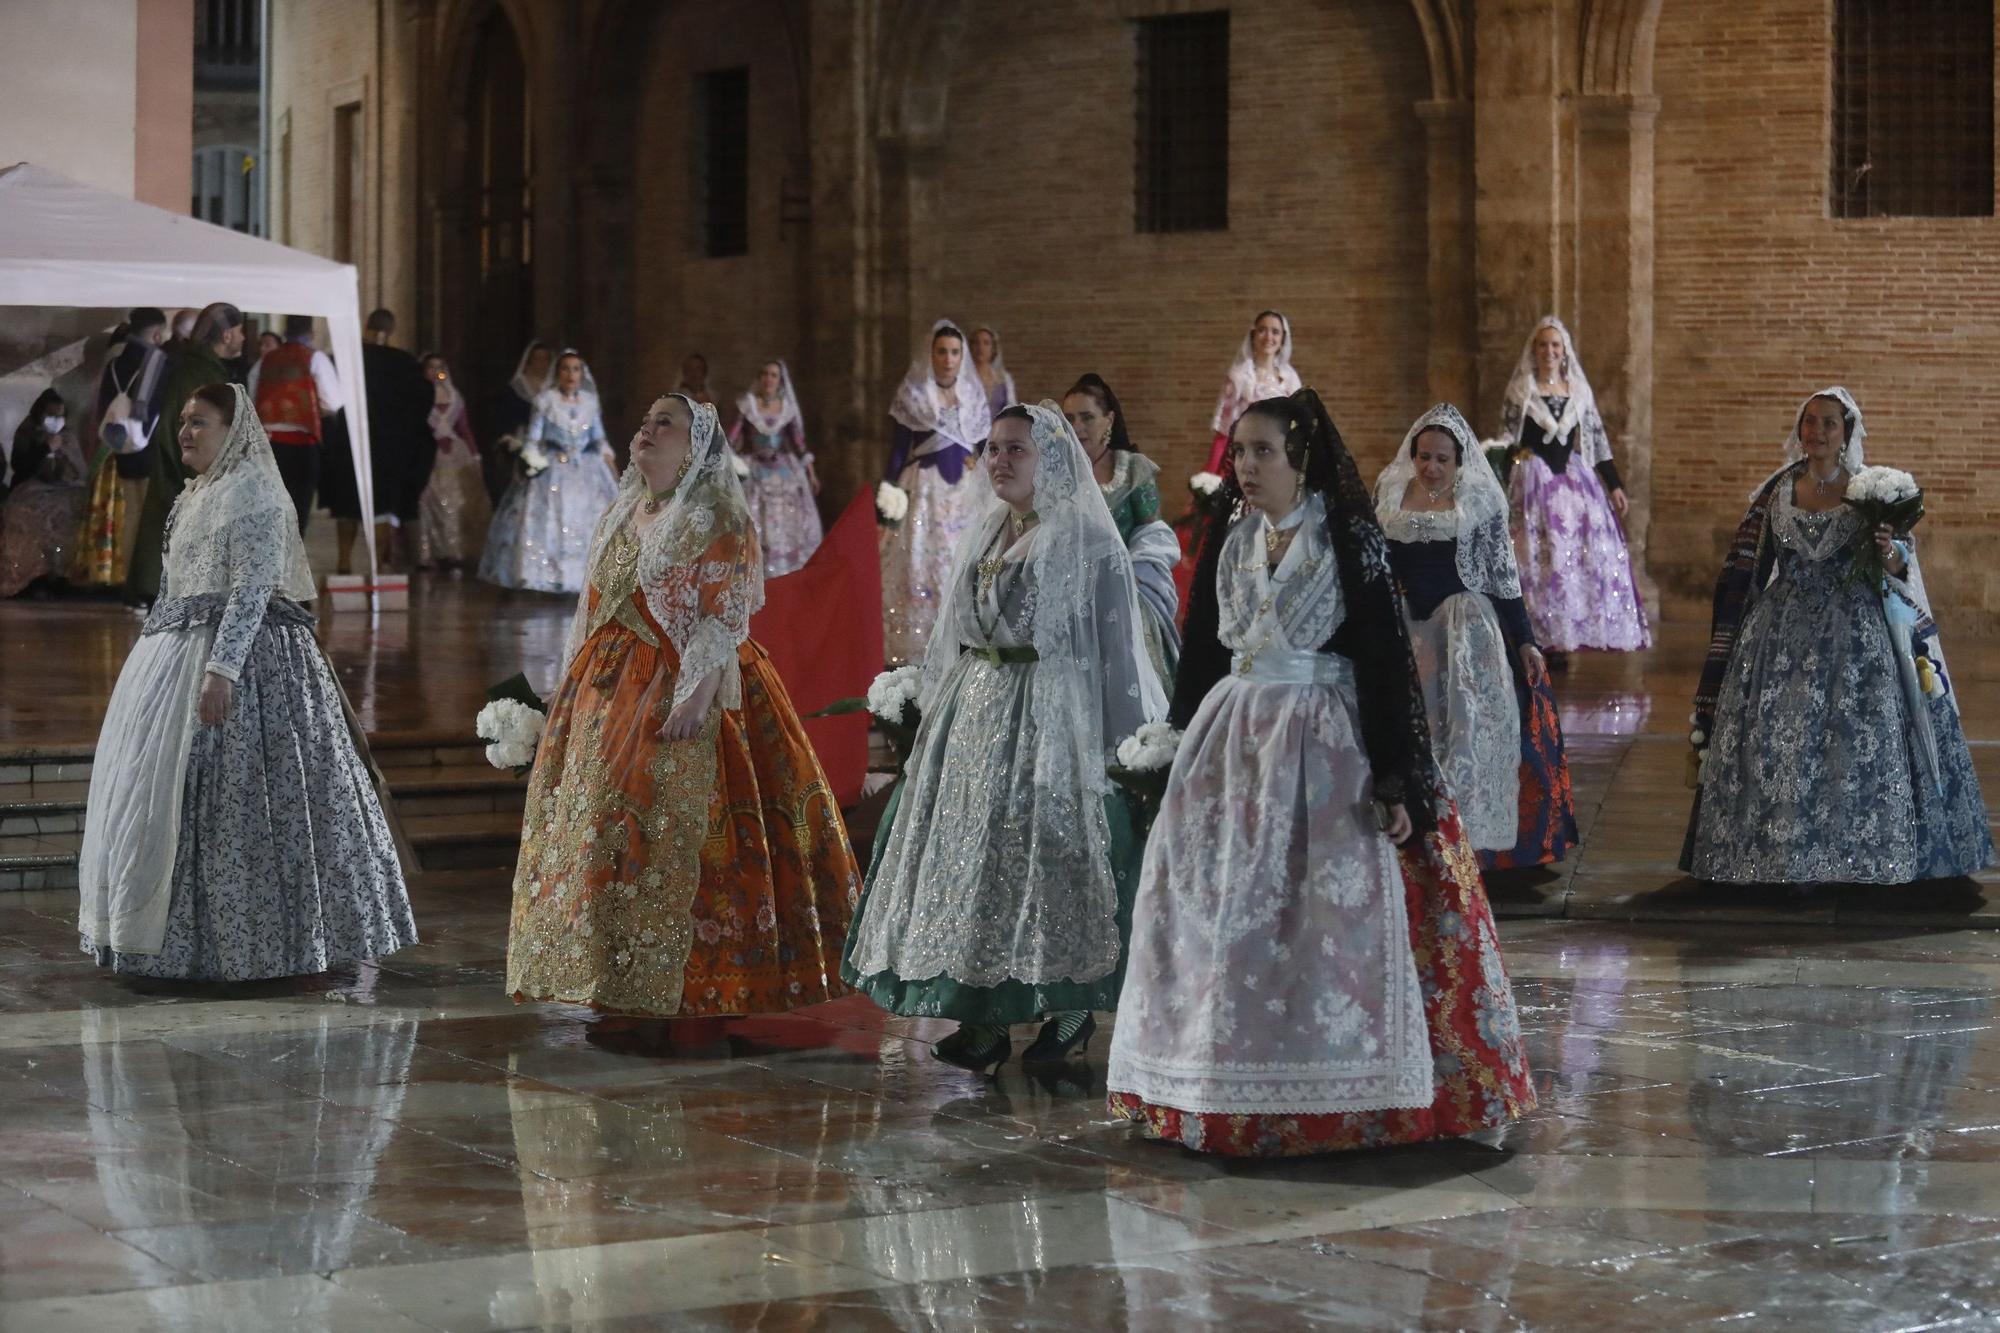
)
(1567, 503)
(770, 436)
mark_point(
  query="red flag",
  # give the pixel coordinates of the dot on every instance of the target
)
(822, 626)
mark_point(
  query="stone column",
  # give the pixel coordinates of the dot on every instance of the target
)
(1614, 262)
(1454, 332)
(1517, 124)
(841, 312)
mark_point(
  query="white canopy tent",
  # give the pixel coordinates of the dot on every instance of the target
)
(66, 244)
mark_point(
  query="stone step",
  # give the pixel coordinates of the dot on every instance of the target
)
(22, 765)
(24, 871)
(464, 841)
(26, 816)
(456, 790)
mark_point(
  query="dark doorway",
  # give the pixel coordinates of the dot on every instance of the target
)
(497, 234)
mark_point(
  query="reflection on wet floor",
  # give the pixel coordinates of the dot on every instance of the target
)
(1802, 1125)
(1755, 1110)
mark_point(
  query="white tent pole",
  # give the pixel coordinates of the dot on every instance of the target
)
(345, 331)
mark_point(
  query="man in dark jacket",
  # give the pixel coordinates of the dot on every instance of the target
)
(217, 336)
(401, 448)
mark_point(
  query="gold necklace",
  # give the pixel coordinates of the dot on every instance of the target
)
(1270, 600)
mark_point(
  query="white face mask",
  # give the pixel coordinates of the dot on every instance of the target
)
(53, 425)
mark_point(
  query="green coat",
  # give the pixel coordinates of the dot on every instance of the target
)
(189, 366)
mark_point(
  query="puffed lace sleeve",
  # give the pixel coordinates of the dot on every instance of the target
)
(715, 620)
(255, 550)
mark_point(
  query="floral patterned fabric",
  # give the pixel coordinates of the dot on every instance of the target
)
(780, 494)
(284, 865)
(1547, 827)
(1812, 772)
(1481, 1076)
(540, 535)
(700, 877)
(1576, 573)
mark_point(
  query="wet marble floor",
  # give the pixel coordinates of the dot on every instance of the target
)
(1793, 1127)
(1756, 1111)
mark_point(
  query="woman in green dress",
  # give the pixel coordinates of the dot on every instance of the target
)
(1001, 892)
(1131, 485)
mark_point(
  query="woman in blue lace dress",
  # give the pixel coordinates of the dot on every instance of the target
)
(540, 537)
(1829, 752)
(232, 831)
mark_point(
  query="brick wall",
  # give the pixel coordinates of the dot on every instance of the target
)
(738, 310)
(1033, 230)
(1762, 298)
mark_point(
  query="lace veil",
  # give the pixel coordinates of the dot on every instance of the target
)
(753, 413)
(1485, 550)
(234, 527)
(919, 404)
(698, 567)
(518, 381)
(584, 386)
(1086, 612)
(1523, 402)
(1001, 374)
(1857, 433)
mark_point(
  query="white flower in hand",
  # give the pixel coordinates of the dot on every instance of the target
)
(892, 502)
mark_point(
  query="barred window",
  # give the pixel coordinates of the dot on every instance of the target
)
(722, 162)
(1912, 108)
(1181, 157)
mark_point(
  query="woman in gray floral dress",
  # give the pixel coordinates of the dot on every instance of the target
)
(1830, 746)
(232, 832)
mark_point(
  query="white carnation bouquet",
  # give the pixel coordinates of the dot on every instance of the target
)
(1144, 758)
(892, 702)
(512, 731)
(892, 503)
(529, 456)
(1882, 495)
(511, 723)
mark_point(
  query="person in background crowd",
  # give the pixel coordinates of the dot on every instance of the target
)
(295, 388)
(541, 531)
(184, 322)
(939, 418)
(1262, 370)
(401, 448)
(771, 433)
(507, 421)
(1568, 505)
(991, 368)
(46, 501)
(694, 380)
(268, 342)
(456, 510)
(128, 416)
(216, 337)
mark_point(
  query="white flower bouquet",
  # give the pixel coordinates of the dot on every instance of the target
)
(511, 724)
(892, 702)
(892, 503)
(529, 456)
(1882, 495)
(1144, 758)
(1205, 483)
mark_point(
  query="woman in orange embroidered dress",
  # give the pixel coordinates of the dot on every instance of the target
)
(682, 853)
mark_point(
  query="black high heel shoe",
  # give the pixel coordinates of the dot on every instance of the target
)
(981, 1057)
(1052, 1047)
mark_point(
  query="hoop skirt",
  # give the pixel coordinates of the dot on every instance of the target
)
(703, 877)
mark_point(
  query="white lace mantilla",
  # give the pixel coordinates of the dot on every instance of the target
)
(1270, 969)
